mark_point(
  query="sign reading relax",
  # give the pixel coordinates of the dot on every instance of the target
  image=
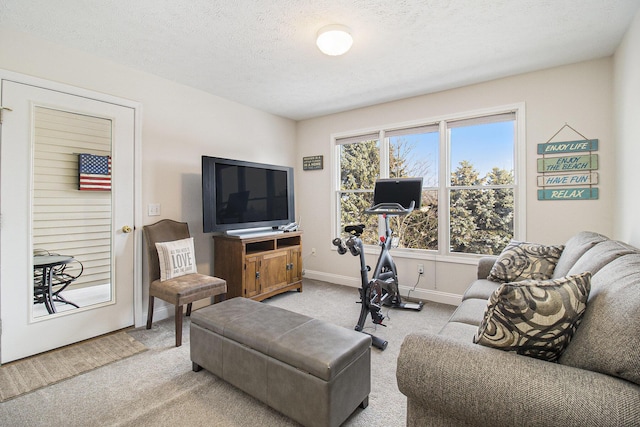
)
(586, 193)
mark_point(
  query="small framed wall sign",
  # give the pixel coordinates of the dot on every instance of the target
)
(311, 163)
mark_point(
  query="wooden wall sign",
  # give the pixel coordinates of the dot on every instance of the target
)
(568, 163)
(568, 147)
(590, 178)
(586, 193)
(563, 173)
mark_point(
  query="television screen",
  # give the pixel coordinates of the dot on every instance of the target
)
(245, 195)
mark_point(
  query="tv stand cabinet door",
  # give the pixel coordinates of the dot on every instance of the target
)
(273, 271)
(295, 265)
(251, 286)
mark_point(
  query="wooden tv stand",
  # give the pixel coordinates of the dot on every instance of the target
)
(259, 267)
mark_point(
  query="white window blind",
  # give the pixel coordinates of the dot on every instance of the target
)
(65, 220)
(358, 138)
(412, 130)
(483, 120)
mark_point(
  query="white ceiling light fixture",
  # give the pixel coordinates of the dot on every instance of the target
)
(334, 40)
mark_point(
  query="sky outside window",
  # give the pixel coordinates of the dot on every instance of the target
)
(485, 146)
(421, 155)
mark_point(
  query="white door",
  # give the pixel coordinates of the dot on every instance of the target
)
(38, 117)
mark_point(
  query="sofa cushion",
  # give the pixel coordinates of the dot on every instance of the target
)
(535, 318)
(470, 311)
(575, 247)
(481, 288)
(600, 255)
(524, 260)
(459, 331)
(608, 338)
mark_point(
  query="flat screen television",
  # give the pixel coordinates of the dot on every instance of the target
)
(239, 195)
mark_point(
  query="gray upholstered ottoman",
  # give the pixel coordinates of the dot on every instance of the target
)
(312, 371)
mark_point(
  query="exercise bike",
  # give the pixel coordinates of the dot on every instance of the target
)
(382, 289)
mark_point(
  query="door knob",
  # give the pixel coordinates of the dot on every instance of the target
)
(126, 229)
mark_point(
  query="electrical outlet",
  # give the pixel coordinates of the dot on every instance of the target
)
(313, 251)
(420, 268)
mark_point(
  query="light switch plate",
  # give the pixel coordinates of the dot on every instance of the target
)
(154, 209)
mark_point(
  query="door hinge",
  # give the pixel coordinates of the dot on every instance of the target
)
(2, 109)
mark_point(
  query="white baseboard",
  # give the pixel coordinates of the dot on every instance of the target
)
(417, 294)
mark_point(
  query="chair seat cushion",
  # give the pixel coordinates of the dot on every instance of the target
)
(188, 288)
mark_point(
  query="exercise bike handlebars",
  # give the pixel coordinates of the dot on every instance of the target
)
(390, 209)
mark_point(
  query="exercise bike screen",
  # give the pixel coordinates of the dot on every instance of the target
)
(398, 190)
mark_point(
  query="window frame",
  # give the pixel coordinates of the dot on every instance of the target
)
(444, 252)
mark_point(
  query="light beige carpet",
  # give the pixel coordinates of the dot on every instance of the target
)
(158, 388)
(32, 373)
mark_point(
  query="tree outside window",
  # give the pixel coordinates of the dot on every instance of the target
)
(481, 190)
(359, 169)
(415, 154)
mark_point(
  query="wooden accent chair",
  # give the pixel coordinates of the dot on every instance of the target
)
(179, 290)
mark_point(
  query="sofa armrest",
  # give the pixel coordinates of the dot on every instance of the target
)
(485, 264)
(477, 385)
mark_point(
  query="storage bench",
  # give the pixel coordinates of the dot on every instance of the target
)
(312, 371)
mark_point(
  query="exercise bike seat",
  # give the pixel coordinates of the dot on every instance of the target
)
(356, 229)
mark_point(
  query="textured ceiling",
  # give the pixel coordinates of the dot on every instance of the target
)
(262, 53)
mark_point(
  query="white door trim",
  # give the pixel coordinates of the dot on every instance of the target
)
(137, 203)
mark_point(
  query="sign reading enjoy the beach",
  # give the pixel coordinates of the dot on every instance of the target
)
(568, 163)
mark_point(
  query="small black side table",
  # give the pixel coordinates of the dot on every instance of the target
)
(52, 274)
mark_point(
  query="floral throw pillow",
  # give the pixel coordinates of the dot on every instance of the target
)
(535, 318)
(523, 260)
(176, 258)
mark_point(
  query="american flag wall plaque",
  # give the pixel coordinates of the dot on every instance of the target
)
(94, 172)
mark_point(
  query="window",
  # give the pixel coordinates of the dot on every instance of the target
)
(470, 182)
(481, 188)
(414, 152)
(359, 159)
